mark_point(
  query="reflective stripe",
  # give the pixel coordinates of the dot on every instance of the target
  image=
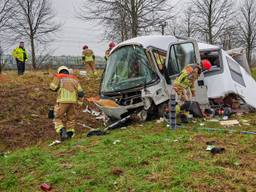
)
(58, 127)
(53, 86)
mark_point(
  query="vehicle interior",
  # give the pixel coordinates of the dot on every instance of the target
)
(214, 56)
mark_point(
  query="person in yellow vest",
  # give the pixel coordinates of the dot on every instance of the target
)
(69, 91)
(21, 56)
(184, 83)
(107, 52)
(89, 58)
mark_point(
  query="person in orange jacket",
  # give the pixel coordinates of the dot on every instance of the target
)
(89, 58)
(69, 91)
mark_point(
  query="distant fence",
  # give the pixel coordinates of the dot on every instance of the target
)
(52, 62)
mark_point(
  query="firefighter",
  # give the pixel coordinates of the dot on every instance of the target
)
(69, 91)
(89, 58)
(21, 56)
(185, 89)
(110, 47)
(184, 83)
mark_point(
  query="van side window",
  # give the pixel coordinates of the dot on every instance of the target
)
(235, 70)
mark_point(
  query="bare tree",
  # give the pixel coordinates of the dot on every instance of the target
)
(1, 60)
(189, 22)
(6, 11)
(33, 20)
(174, 27)
(247, 26)
(128, 18)
(212, 17)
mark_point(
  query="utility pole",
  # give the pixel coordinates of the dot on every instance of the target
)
(163, 25)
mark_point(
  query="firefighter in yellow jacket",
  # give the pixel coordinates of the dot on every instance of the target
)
(184, 83)
(69, 91)
(89, 58)
(21, 56)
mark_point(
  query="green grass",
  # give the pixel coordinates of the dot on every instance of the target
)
(148, 158)
(254, 72)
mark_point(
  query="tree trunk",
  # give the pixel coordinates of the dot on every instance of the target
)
(210, 36)
(33, 54)
(134, 19)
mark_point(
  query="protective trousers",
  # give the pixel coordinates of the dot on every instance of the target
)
(20, 67)
(65, 116)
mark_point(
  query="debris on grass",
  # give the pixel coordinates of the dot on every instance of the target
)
(160, 120)
(116, 142)
(229, 123)
(45, 187)
(217, 150)
(56, 142)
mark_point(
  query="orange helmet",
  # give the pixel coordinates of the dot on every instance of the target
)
(85, 47)
(112, 45)
(206, 64)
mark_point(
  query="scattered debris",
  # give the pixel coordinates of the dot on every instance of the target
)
(248, 132)
(209, 147)
(56, 142)
(217, 150)
(230, 123)
(213, 120)
(45, 187)
(85, 126)
(98, 132)
(116, 142)
(87, 110)
(160, 120)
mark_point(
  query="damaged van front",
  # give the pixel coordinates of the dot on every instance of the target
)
(129, 71)
(136, 79)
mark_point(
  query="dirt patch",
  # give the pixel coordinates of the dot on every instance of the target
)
(155, 177)
(4, 79)
(25, 102)
(117, 171)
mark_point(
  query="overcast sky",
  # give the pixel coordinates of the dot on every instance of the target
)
(75, 33)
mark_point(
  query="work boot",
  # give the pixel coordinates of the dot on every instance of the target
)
(70, 134)
(63, 134)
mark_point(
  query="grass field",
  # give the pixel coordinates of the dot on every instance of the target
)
(141, 157)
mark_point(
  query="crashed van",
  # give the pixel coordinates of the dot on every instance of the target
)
(140, 71)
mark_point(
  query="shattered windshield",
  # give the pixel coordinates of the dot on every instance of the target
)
(127, 67)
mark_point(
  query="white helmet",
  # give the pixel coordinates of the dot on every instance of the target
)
(62, 68)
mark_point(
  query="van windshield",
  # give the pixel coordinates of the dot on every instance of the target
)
(128, 67)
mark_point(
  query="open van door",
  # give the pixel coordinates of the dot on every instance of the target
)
(181, 54)
(185, 53)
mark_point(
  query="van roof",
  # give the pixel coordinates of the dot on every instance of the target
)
(161, 42)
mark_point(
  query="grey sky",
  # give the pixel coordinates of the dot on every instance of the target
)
(75, 33)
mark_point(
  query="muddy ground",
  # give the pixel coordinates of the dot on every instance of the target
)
(24, 105)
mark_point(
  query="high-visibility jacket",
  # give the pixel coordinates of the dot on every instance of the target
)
(68, 88)
(88, 55)
(20, 54)
(186, 78)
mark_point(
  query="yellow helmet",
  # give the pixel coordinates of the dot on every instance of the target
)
(62, 68)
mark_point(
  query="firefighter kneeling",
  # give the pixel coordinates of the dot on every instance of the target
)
(69, 90)
(184, 84)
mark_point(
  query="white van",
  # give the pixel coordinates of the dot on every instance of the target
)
(140, 71)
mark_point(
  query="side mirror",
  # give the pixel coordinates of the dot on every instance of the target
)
(181, 54)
